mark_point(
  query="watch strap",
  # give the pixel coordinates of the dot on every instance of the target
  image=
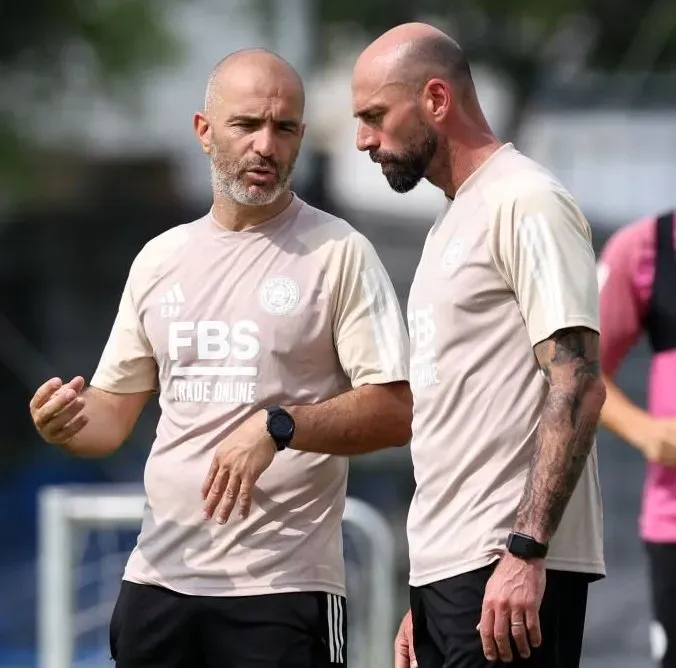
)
(526, 547)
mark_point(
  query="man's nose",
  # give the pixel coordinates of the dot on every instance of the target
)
(264, 143)
(366, 139)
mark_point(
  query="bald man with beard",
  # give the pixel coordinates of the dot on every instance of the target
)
(505, 527)
(273, 336)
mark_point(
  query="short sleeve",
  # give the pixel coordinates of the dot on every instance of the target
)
(622, 302)
(368, 328)
(541, 243)
(127, 363)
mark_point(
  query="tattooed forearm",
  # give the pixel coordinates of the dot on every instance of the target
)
(569, 360)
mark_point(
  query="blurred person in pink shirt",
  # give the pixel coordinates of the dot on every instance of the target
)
(637, 281)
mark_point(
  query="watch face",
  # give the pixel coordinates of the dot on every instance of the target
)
(525, 546)
(281, 426)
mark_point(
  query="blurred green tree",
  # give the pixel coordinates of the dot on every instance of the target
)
(47, 46)
(529, 41)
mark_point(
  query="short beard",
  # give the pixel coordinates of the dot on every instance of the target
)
(227, 181)
(405, 170)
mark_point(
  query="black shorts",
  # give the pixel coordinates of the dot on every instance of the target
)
(153, 627)
(662, 560)
(445, 616)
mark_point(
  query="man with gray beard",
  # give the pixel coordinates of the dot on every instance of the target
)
(273, 335)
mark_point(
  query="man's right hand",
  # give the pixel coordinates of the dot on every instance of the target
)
(659, 442)
(56, 410)
(404, 657)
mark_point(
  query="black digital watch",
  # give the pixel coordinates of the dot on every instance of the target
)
(281, 426)
(525, 547)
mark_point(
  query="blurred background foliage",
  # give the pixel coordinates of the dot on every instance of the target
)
(48, 47)
(530, 41)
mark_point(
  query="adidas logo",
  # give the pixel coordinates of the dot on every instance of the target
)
(169, 304)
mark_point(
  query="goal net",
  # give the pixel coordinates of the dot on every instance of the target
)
(86, 534)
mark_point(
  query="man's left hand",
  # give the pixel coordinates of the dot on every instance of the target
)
(511, 608)
(238, 462)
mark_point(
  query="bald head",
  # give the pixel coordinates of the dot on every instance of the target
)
(413, 53)
(248, 65)
(413, 94)
(252, 126)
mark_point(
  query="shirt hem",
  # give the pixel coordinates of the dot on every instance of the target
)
(422, 579)
(325, 587)
(595, 568)
(380, 379)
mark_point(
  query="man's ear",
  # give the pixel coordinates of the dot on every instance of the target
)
(438, 98)
(202, 128)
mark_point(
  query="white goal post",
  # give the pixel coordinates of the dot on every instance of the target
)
(67, 512)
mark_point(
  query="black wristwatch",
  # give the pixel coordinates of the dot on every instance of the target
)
(281, 426)
(526, 547)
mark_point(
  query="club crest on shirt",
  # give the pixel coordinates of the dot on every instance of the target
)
(279, 295)
(452, 256)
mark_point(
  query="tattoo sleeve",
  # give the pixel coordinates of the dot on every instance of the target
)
(569, 360)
